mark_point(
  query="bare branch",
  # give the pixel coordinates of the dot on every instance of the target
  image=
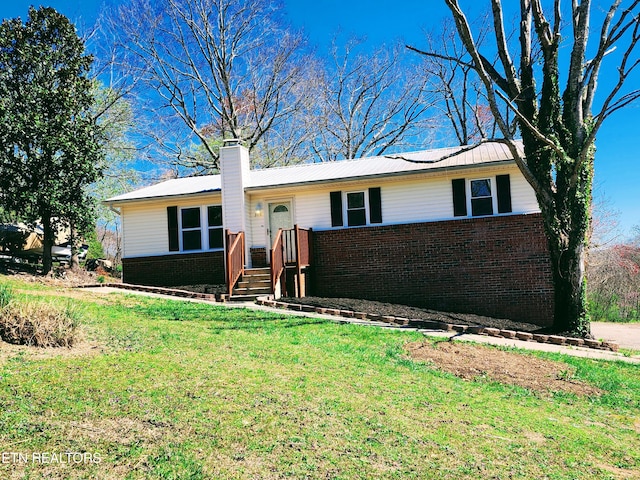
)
(525, 121)
(503, 50)
(368, 104)
(467, 39)
(608, 37)
(455, 153)
(440, 56)
(223, 68)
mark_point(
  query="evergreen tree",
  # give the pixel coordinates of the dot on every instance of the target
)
(50, 145)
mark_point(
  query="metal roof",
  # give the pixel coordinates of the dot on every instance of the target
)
(388, 165)
(173, 187)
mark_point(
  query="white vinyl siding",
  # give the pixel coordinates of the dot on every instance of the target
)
(404, 200)
(145, 228)
(420, 198)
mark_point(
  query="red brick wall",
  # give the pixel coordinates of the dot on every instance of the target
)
(175, 270)
(495, 266)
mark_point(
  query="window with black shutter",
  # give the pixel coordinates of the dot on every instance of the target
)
(375, 205)
(336, 209)
(503, 187)
(356, 209)
(191, 228)
(172, 223)
(214, 225)
(195, 228)
(458, 186)
(481, 197)
(360, 208)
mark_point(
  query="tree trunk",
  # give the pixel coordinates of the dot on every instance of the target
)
(570, 312)
(47, 244)
(73, 242)
(566, 213)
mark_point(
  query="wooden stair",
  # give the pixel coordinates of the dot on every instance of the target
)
(254, 283)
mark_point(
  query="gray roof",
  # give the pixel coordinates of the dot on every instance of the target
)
(389, 165)
(170, 188)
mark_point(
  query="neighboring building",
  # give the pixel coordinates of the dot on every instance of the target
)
(455, 232)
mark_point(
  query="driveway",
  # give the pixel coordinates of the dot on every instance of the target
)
(627, 335)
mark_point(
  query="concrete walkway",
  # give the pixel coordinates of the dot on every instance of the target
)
(626, 335)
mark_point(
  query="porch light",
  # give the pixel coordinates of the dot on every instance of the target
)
(259, 209)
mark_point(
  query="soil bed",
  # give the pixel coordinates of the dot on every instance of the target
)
(477, 362)
(404, 311)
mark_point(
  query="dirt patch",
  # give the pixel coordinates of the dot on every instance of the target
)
(404, 311)
(60, 276)
(84, 348)
(474, 362)
(71, 293)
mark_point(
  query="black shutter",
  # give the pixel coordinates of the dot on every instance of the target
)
(459, 197)
(375, 205)
(336, 209)
(503, 187)
(172, 223)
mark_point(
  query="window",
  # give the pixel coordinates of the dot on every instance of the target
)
(191, 230)
(214, 222)
(361, 208)
(195, 228)
(481, 198)
(356, 209)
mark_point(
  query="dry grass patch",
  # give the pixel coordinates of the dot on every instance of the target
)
(40, 324)
(473, 362)
(81, 348)
(125, 431)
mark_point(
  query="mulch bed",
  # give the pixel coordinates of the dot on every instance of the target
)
(391, 309)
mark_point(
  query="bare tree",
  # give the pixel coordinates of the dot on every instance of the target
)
(368, 104)
(458, 90)
(558, 127)
(209, 70)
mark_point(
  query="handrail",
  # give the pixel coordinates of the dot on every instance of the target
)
(303, 252)
(277, 263)
(303, 246)
(235, 258)
(290, 247)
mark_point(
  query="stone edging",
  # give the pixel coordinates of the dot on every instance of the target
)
(435, 325)
(160, 290)
(391, 320)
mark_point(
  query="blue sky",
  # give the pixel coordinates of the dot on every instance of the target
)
(385, 21)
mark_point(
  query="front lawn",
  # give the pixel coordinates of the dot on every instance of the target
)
(171, 389)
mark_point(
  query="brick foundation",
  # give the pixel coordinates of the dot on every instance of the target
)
(495, 266)
(175, 270)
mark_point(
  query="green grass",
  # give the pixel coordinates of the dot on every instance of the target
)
(185, 390)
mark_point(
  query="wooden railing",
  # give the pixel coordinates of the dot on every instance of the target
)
(303, 252)
(235, 258)
(303, 246)
(291, 247)
(278, 263)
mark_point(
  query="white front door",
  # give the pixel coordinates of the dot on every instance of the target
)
(279, 217)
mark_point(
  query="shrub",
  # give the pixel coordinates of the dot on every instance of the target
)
(6, 295)
(613, 283)
(40, 324)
